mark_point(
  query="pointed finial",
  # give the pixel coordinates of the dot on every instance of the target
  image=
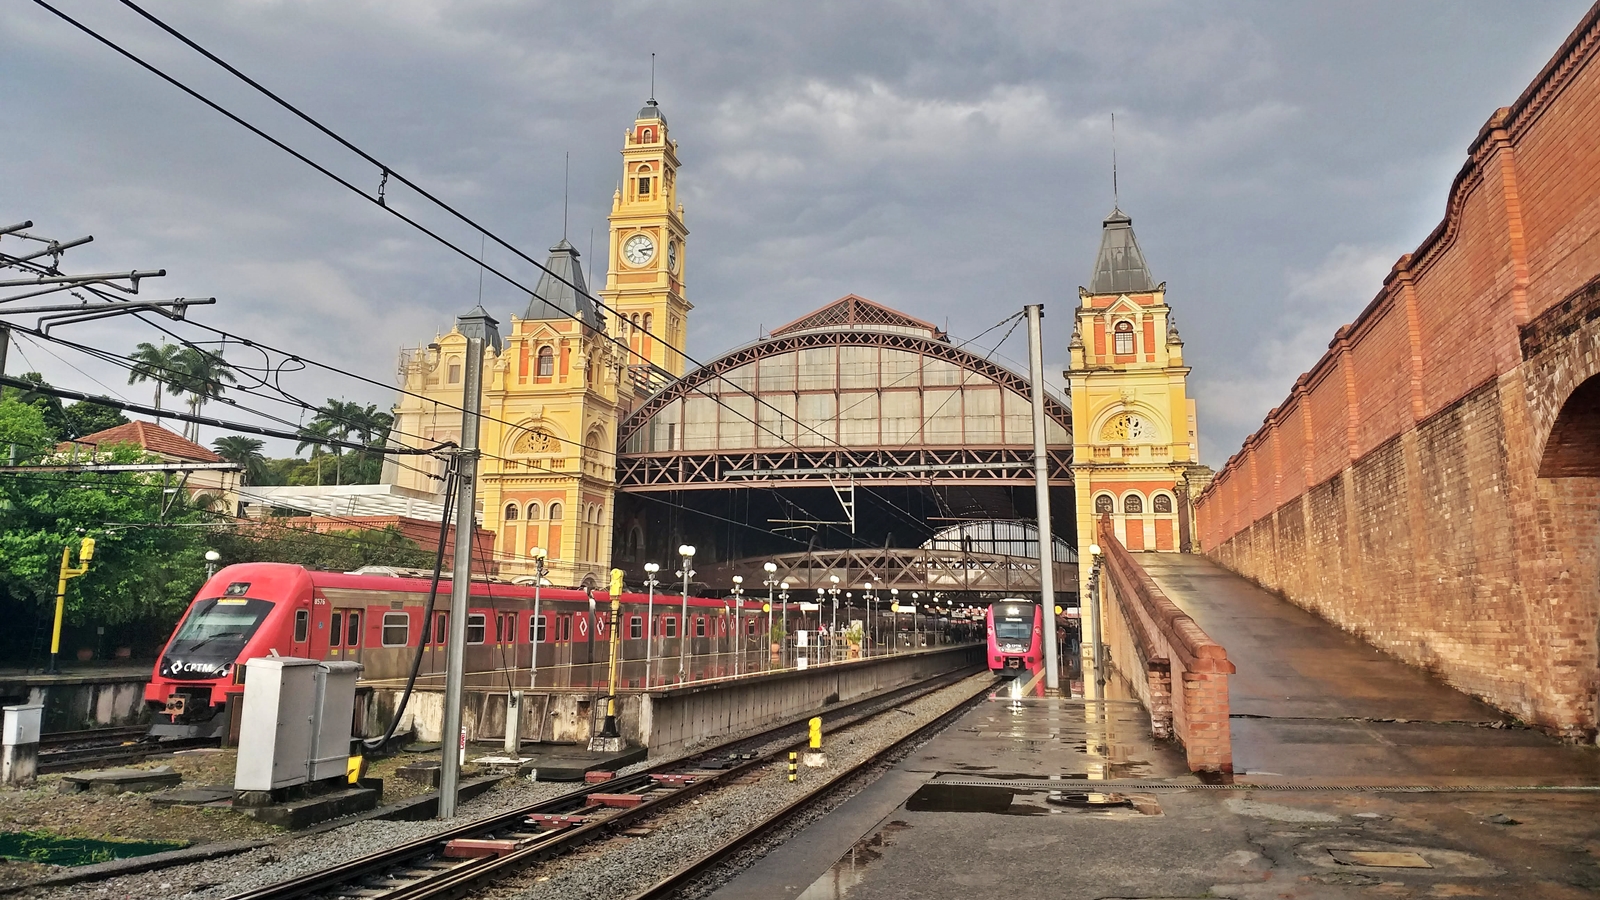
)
(1116, 202)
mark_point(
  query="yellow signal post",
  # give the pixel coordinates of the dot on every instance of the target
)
(794, 767)
(616, 645)
(85, 553)
(814, 756)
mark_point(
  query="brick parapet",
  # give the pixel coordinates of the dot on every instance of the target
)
(1409, 505)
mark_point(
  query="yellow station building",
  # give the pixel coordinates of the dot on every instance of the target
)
(565, 377)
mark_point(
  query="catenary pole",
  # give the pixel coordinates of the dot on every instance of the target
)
(479, 328)
(1041, 489)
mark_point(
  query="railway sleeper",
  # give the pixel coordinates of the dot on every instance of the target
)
(474, 848)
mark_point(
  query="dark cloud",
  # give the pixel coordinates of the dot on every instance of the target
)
(952, 161)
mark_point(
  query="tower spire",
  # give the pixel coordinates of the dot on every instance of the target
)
(652, 76)
(1116, 202)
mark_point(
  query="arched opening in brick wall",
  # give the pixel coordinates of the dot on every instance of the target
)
(1573, 449)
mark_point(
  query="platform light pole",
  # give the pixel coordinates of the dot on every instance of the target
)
(894, 620)
(738, 622)
(539, 571)
(686, 551)
(833, 593)
(1041, 490)
(480, 329)
(867, 597)
(783, 597)
(771, 581)
(650, 585)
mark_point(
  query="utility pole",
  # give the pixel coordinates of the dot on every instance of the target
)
(1041, 490)
(479, 328)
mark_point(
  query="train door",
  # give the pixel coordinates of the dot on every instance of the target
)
(300, 630)
(435, 638)
(344, 632)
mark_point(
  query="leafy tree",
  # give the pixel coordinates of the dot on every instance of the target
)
(244, 452)
(315, 435)
(337, 551)
(143, 567)
(84, 418)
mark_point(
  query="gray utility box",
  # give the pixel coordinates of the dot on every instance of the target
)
(335, 712)
(296, 722)
(280, 696)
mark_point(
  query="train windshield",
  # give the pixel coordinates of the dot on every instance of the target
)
(1013, 624)
(227, 620)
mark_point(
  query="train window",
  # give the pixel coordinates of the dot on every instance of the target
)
(536, 628)
(699, 626)
(335, 629)
(352, 630)
(441, 626)
(302, 625)
(669, 626)
(750, 626)
(635, 627)
(477, 624)
(396, 629)
(499, 628)
(566, 628)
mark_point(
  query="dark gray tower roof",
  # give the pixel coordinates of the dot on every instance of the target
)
(1120, 268)
(554, 300)
(652, 111)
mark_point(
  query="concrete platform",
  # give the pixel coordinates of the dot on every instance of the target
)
(1326, 729)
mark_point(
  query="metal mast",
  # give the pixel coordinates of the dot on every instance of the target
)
(1041, 488)
(479, 328)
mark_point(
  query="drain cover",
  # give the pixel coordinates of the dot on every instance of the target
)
(1088, 800)
(1382, 859)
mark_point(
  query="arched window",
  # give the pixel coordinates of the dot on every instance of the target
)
(649, 321)
(1103, 504)
(533, 510)
(1161, 503)
(1133, 504)
(454, 371)
(547, 361)
(1124, 335)
(647, 135)
(511, 512)
(555, 511)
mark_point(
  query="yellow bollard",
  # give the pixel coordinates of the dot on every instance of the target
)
(814, 756)
(794, 767)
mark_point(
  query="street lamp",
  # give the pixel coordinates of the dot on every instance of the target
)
(738, 621)
(867, 596)
(650, 585)
(916, 633)
(783, 597)
(211, 563)
(687, 552)
(771, 581)
(833, 592)
(894, 619)
(539, 571)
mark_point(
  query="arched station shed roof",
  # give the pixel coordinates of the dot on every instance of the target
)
(853, 391)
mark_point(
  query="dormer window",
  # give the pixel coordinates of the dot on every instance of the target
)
(1123, 332)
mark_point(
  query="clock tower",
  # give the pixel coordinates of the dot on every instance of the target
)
(644, 283)
(1135, 442)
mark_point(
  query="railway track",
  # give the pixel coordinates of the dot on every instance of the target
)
(458, 861)
(67, 751)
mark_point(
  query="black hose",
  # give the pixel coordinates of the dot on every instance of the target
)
(450, 486)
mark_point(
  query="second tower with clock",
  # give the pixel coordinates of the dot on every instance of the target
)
(644, 283)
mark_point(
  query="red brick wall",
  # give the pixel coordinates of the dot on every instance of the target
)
(1396, 491)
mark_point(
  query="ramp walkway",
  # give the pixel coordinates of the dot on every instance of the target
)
(1309, 701)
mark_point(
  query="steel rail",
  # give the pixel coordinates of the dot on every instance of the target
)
(419, 859)
(70, 760)
(668, 886)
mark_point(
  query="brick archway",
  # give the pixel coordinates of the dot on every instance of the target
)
(1573, 448)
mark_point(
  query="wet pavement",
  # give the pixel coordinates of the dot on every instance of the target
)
(1029, 796)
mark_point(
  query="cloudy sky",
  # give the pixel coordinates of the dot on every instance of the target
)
(949, 160)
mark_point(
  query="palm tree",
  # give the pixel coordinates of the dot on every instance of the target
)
(316, 435)
(201, 376)
(158, 364)
(244, 452)
(344, 419)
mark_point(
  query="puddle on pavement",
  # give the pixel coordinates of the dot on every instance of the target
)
(852, 867)
(56, 850)
(1007, 801)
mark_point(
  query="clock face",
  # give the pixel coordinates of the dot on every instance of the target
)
(639, 249)
(672, 256)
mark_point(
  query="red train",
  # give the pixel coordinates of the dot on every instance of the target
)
(257, 609)
(1016, 637)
